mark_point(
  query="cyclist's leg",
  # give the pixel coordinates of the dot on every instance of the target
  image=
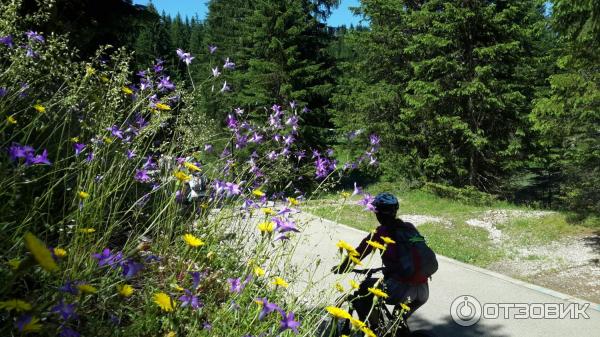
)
(419, 294)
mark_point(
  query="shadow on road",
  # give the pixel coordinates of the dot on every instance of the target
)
(450, 329)
(593, 241)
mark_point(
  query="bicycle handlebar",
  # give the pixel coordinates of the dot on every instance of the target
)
(367, 271)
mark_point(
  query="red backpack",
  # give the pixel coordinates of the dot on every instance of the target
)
(416, 261)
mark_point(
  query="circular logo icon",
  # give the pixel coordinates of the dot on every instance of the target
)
(465, 310)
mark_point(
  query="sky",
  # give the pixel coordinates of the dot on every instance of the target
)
(340, 16)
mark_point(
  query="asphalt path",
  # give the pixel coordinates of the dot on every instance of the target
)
(510, 300)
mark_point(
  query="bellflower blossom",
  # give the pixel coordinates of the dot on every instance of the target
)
(267, 308)
(228, 64)
(367, 201)
(165, 84)
(212, 49)
(78, 148)
(7, 41)
(191, 300)
(216, 72)
(35, 36)
(288, 322)
(185, 57)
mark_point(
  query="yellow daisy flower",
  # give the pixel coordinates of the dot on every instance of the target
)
(104, 79)
(355, 260)
(108, 140)
(181, 176)
(345, 195)
(338, 312)
(346, 246)
(171, 334)
(83, 195)
(278, 281)
(74, 140)
(125, 290)
(87, 288)
(41, 254)
(176, 287)
(127, 90)
(89, 71)
(266, 227)
(357, 323)
(376, 245)
(163, 107)
(16, 305)
(258, 271)
(191, 167)
(11, 120)
(293, 201)
(378, 292)
(193, 241)
(354, 284)
(59, 252)
(268, 211)
(164, 302)
(404, 307)
(339, 287)
(258, 193)
(14, 263)
(387, 240)
(39, 108)
(368, 332)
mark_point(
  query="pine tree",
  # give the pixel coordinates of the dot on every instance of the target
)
(153, 40)
(568, 117)
(447, 84)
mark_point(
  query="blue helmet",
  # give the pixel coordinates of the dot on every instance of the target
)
(385, 203)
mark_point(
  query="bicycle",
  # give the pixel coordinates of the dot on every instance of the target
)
(388, 324)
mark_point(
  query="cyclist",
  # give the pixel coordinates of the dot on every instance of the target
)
(412, 289)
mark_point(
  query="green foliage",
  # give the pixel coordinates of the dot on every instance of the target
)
(468, 195)
(568, 115)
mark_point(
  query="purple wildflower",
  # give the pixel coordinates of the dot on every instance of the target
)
(191, 300)
(3, 91)
(288, 322)
(212, 49)
(225, 87)
(78, 148)
(165, 84)
(367, 201)
(374, 139)
(142, 176)
(284, 226)
(215, 72)
(206, 326)
(131, 268)
(69, 287)
(228, 64)
(65, 310)
(7, 41)
(185, 57)
(158, 66)
(107, 259)
(357, 190)
(35, 36)
(22, 321)
(130, 154)
(90, 157)
(267, 307)
(231, 122)
(115, 131)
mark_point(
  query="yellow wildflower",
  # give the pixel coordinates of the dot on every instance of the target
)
(181, 176)
(378, 292)
(258, 271)
(387, 240)
(339, 287)
(74, 140)
(266, 227)
(87, 288)
(108, 140)
(345, 195)
(11, 120)
(41, 254)
(191, 167)
(357, 323)
(87, 230)
(14, 263)
(104, 79)
(171, 334)
(192, 241)
(89, 71)
(125, 290)
(127, 90)
(163, 107)
(210, 255)
(59, 252)
(32, 326)
(16, 305)
(368, 332)
(163, 301)
(278, 281)
(354, 284)
(39, 108)
(258, 193)
(376, 245)
(404, 307)
(268, 211)
(338, 312)
(83, 195)
(346, 246)
(293, 201)
(355, 260)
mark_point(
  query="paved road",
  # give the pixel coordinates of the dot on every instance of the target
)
(315, 254)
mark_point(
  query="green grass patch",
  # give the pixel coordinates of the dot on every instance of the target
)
(539, 231)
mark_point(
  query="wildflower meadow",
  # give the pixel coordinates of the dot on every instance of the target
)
(122, 211)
